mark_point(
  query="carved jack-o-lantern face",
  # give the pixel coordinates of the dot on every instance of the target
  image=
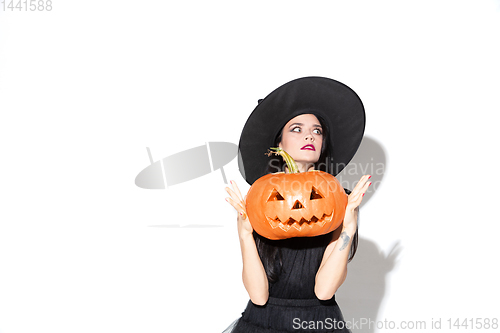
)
(304, 204)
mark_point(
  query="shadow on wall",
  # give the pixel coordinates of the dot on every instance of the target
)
(370, 159)
(362, 293)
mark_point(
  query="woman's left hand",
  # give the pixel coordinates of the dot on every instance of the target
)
(353, 202)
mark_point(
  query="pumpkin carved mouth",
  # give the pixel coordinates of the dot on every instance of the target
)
(301, 224)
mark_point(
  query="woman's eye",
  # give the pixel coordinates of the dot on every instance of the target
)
(296, 129)
(318, 131)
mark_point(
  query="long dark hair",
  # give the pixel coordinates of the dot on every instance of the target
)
(269, 252)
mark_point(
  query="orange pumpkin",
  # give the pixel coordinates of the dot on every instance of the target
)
(285, 205)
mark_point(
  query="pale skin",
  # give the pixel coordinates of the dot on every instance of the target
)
(298, 135)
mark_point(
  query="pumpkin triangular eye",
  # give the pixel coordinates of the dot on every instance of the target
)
(297, 205)
(275, 196)
(315, 194)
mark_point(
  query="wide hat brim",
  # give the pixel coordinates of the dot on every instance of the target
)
(337, 104)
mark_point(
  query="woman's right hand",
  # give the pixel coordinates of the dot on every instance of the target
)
(236, 200)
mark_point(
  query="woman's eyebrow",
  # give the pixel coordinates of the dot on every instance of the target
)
(301, 124)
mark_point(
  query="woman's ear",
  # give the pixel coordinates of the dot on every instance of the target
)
(279, 145)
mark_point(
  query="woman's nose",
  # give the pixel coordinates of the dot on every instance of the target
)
(309, 137)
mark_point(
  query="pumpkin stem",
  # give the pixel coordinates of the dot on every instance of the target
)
(290, 163)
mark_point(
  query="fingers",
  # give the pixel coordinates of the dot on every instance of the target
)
(236, 200)
(237, 205)
(362, 182)
(235, 194)
(359, 191)
(236, 189)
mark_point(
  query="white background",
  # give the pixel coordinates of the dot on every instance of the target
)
(86, 87)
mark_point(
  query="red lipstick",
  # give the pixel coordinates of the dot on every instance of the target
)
(308, 147)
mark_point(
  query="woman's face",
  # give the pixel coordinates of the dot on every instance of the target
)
(302, 138)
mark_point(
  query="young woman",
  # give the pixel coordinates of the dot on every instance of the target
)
(292, 283)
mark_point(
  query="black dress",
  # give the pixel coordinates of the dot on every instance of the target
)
(292, 305)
